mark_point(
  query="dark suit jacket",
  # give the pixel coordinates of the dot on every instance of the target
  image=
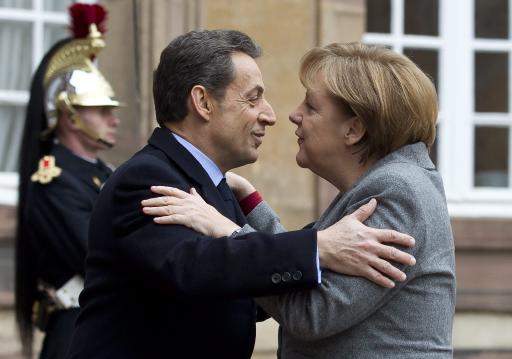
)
(165, 291)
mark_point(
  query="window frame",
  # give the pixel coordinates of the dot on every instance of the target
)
(38, 17)
(456, 46)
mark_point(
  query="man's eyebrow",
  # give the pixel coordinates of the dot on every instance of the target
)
(258, 89)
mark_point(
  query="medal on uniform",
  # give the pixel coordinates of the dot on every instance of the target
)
(47, 170)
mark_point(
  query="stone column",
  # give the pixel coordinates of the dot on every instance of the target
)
(138, 31)
(285, 29)
(340, 21)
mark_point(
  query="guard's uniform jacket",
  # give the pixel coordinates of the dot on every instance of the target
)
(62, 195)
(58, 215)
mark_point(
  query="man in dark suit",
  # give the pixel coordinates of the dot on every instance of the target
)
(156, 291)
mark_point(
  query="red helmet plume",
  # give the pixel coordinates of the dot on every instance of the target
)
(83, 15)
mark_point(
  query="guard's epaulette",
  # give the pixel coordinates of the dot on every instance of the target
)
(47, 170)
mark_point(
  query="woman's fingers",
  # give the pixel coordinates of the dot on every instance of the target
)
(160, 201)
(173, 219)
(169, 196)
(160, 210)
(169, 191)
(196, 195)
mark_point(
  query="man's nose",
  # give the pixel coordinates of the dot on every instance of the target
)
(268, 115)
(114, 120)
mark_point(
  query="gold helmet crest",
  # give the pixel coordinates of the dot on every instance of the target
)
(71, 79)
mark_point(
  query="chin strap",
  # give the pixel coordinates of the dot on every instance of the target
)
(65, 105)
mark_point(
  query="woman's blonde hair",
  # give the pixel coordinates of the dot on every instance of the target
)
(394, 99)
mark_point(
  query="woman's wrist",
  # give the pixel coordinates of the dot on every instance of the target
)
(248, 203)
(243, 192)
(226, 230)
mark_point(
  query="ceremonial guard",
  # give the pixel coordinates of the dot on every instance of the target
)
(69, 119)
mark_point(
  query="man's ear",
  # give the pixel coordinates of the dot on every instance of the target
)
(65, 120)
(355, 131)
(201, 102)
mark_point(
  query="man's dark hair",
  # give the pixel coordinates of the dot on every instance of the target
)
(196, 58)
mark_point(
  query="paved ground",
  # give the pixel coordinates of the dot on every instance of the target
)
(10, 347)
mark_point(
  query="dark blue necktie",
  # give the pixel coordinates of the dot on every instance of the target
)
(229, 199)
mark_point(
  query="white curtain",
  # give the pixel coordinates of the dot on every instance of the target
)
(18, 4)
(15, 73)
(58, 5)
(54, 33)
(12, 119)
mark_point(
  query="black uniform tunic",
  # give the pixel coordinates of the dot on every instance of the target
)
(58, 224)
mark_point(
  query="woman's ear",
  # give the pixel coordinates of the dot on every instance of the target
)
(355, 131)
(201, 102)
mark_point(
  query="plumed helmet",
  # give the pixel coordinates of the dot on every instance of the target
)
(71, 78)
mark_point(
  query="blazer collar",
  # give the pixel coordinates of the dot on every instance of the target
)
(163, 139)
(415, 153)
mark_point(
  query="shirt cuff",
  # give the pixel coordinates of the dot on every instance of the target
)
(250, 202)
(318, 270)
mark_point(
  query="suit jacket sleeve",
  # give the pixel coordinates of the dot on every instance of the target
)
(182, 262)
(344, 301)
(263, 218)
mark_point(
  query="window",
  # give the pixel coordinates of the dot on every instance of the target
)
(27, 29)
(465, 47)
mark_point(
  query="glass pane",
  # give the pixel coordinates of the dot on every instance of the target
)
(57, 5)
(15, 55)
(378, 16)
(491, 156)
(427, 60)
(53, 33)
(11, 128)
(491, 19)
(491, 82)
(433, 148)
(17, 4)
(421, 17)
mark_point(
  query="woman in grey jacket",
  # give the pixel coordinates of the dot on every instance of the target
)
(365, 125)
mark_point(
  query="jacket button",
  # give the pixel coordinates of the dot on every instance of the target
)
(276, 278)
(297, 275)
(286, 276)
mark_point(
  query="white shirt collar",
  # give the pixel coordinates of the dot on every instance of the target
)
(209, 166)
